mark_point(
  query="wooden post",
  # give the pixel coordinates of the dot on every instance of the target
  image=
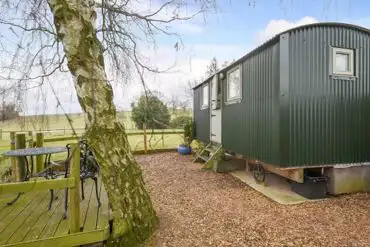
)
(40, 158)
(13, 161)
(145, 139)
(30, 139)
(20, 143)
(74, 195)
(163, 138)
(30, 145)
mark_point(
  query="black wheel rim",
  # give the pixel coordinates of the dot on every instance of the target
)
(259, 173)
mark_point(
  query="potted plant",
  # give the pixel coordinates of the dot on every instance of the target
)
(184, 148)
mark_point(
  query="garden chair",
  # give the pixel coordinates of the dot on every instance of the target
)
(89, 168)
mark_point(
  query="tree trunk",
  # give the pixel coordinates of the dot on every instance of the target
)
(133, 214)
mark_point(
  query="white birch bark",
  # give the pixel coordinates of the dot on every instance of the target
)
(133, 213)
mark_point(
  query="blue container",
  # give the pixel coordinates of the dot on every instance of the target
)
(184, 150)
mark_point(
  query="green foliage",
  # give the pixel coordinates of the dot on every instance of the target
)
(8, 111)
(180, 122)
(189, 131)
(152, 111)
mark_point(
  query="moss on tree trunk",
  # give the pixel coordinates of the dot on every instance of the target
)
(133, 214)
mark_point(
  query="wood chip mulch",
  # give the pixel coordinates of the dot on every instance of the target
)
(204, 208)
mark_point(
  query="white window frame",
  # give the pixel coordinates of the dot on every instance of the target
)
(204, 106)
(351, 65)
(235, 99)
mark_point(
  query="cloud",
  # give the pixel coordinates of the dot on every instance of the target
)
(275, 27)
(187, 64)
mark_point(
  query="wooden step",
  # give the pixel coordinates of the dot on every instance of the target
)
(212, 149)
(205, 158)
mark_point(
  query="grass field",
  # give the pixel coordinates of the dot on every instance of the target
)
(60, 122)
(55, 126)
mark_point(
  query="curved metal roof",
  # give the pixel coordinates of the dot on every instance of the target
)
(276, 38)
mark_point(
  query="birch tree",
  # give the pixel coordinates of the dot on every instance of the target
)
(80, 37)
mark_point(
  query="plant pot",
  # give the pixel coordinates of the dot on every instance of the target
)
(184, 150)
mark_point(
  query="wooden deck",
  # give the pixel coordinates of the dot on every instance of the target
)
(29, 223)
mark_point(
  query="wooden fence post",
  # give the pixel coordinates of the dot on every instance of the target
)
(145, 139)
(74, 195)
(13, 161)
(163, 138)
(30, 139)
(30, 145)
(20, 143)
(40, 158)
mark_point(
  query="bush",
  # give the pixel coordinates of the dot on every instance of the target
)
(189, 131)
(152, 111)
(8, 111)
(180, 122)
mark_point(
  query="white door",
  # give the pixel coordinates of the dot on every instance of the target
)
(215, 111)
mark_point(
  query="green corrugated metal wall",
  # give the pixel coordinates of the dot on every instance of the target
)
(293, 112)
(329, 119)
(252, 126)
(201, 117)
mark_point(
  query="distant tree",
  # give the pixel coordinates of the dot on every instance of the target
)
(224, 64)
(184, 104)
(180, 122)
(152, 111)
(212, 67)
(188, 91)
(8, 111)
(174, 102)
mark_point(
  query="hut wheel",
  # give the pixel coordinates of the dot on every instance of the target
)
(259, 173)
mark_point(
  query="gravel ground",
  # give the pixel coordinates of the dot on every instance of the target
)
(203, 208)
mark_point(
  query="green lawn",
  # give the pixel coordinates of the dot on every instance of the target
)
(137, 143)
(60, 122)
(59, 126)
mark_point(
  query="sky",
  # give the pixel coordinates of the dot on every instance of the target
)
(228, 32)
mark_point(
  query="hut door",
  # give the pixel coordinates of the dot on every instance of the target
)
(215, 111)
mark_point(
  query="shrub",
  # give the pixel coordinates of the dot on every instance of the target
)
(152, 111)
(189, 131)
(180, 122)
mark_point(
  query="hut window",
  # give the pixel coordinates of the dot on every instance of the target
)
(343, 61)
(234, 85)
(205, 100)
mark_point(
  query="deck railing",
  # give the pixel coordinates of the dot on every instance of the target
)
(71, 183)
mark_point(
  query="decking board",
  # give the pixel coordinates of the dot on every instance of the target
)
(22, 216)
(92, 213)
(103, 211)
(15, 209)
(89, 186)
(32, 220)
(63, 227)
(29, 220)
(41, 223)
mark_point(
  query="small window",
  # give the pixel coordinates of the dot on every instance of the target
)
(343, 61)
(205, 98)
(234, 85)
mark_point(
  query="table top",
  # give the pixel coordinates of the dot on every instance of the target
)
(35, 151)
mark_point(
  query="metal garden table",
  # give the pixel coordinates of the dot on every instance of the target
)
(31, 152)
